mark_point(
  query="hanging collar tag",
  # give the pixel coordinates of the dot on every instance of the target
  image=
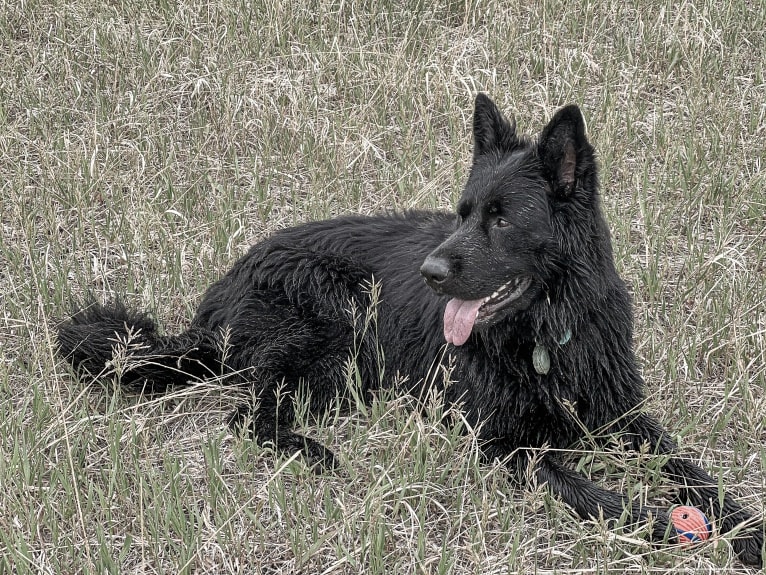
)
(541, 359)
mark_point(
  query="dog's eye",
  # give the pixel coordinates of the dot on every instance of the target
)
(501, 223)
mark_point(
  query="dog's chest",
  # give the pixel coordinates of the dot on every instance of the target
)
(506, 397)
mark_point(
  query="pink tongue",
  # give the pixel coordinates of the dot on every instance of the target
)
(459, 316)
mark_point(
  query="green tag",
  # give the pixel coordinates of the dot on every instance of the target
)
(541, 360)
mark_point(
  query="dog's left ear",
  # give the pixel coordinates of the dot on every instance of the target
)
(491, 129)
(566, 155)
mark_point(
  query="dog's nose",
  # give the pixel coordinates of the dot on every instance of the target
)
(435, 270)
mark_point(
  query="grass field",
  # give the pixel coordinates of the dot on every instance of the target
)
(145, 145)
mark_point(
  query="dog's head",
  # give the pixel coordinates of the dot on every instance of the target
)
(519, 220)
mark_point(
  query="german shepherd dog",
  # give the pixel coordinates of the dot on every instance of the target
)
(521, 284)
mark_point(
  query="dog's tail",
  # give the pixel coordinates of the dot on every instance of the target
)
(111, 340)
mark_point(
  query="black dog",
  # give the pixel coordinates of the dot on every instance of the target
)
(537, 321)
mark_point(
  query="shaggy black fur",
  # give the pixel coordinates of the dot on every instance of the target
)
(548, 354)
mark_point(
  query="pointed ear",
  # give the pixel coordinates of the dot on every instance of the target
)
(491, 129)
(566, 155)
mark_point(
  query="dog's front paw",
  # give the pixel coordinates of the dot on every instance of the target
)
(749, 548)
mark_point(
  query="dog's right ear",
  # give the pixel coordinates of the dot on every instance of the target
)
(491, 129)
(564, 150)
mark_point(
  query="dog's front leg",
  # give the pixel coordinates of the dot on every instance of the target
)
(592, 502)
(701, 490)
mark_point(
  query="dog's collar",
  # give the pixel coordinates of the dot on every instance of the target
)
(541, 359)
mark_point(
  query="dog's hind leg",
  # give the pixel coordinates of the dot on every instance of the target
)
(294, 315)
(283, 356)
(701, 490)
(270, 423)
(592, 502)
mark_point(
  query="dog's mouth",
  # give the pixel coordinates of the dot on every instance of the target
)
(461, 316)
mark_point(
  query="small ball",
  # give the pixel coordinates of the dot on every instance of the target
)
(690, 524)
